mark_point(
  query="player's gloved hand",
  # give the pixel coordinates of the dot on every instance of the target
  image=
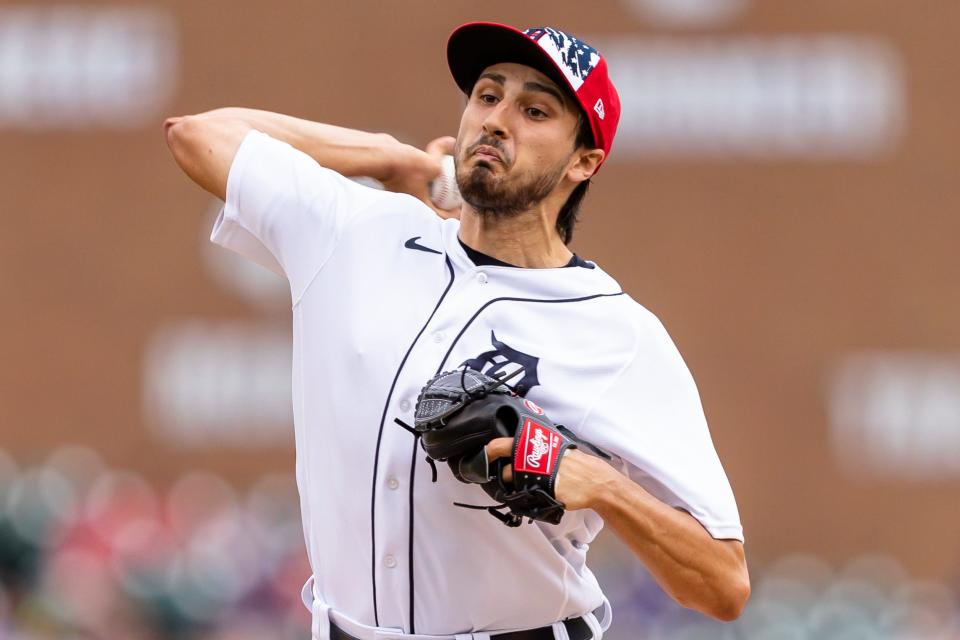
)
(459, 411)
(538, 448)
(457, 414)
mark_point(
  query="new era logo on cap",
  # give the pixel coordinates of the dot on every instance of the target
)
(599, 107)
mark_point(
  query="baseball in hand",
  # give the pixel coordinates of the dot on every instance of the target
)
(443, 188)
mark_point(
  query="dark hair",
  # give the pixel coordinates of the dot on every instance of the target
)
(568, 212)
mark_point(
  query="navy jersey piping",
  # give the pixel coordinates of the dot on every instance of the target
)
(376, 455)
(490, 302)
(413, 475)
(413, 458)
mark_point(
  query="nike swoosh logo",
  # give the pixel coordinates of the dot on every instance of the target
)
(412, 244)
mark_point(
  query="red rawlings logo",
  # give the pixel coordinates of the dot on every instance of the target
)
(537, 450)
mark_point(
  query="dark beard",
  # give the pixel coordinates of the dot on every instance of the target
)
(490, 197)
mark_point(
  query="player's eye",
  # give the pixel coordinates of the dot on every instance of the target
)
(533, 112)
(488, 98)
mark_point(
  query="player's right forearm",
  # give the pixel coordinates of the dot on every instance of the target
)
(205, 144)
(347, 151)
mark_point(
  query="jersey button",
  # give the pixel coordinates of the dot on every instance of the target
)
(482, 278)
(393, 483)
(404, 405)
(438, 336)
(390, 561)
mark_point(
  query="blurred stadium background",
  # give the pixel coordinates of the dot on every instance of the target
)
(782, 193)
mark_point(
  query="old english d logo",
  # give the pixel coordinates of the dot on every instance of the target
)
(503, 359)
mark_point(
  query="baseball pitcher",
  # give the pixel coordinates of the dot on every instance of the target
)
(472, 400)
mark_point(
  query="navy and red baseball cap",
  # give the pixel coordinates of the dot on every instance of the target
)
(565, 59)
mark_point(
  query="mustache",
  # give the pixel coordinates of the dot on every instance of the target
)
(489, 141)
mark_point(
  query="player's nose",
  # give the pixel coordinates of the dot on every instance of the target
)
(496, 121)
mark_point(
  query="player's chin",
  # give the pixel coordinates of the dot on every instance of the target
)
(484, 174)
(488, 162)
(493, 176)
(489, 166)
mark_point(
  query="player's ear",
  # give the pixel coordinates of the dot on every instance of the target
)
(585, 164)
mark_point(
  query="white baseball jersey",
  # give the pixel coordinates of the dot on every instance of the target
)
(384, 296)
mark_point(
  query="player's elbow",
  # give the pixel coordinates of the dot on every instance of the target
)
(169, 124)
(204, 148)
(181, 134)
(723, 600)
(186, 140)
(731, 603)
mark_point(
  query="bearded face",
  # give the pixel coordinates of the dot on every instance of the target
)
(504, 192)
(518, 133)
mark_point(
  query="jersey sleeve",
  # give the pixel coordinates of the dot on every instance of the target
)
(285, 211)
(651, 419)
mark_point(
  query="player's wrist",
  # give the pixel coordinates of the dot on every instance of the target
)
(408, 169)
(584, 481)
(605, 486)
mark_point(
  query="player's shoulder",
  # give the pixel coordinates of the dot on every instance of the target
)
(621, 313)
(591, 276)
(636, 318)
(642, 317)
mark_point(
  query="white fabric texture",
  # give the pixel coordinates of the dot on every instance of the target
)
(284, 213)
(384, 296)
(651, 418)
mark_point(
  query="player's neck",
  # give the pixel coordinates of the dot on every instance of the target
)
(529, 239)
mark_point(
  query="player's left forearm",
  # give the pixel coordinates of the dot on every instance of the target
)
(698, 571)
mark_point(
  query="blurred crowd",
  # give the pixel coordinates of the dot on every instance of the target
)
(91, 552)
(799, 597)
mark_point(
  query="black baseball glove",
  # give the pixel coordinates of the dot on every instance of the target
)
(459, 412)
